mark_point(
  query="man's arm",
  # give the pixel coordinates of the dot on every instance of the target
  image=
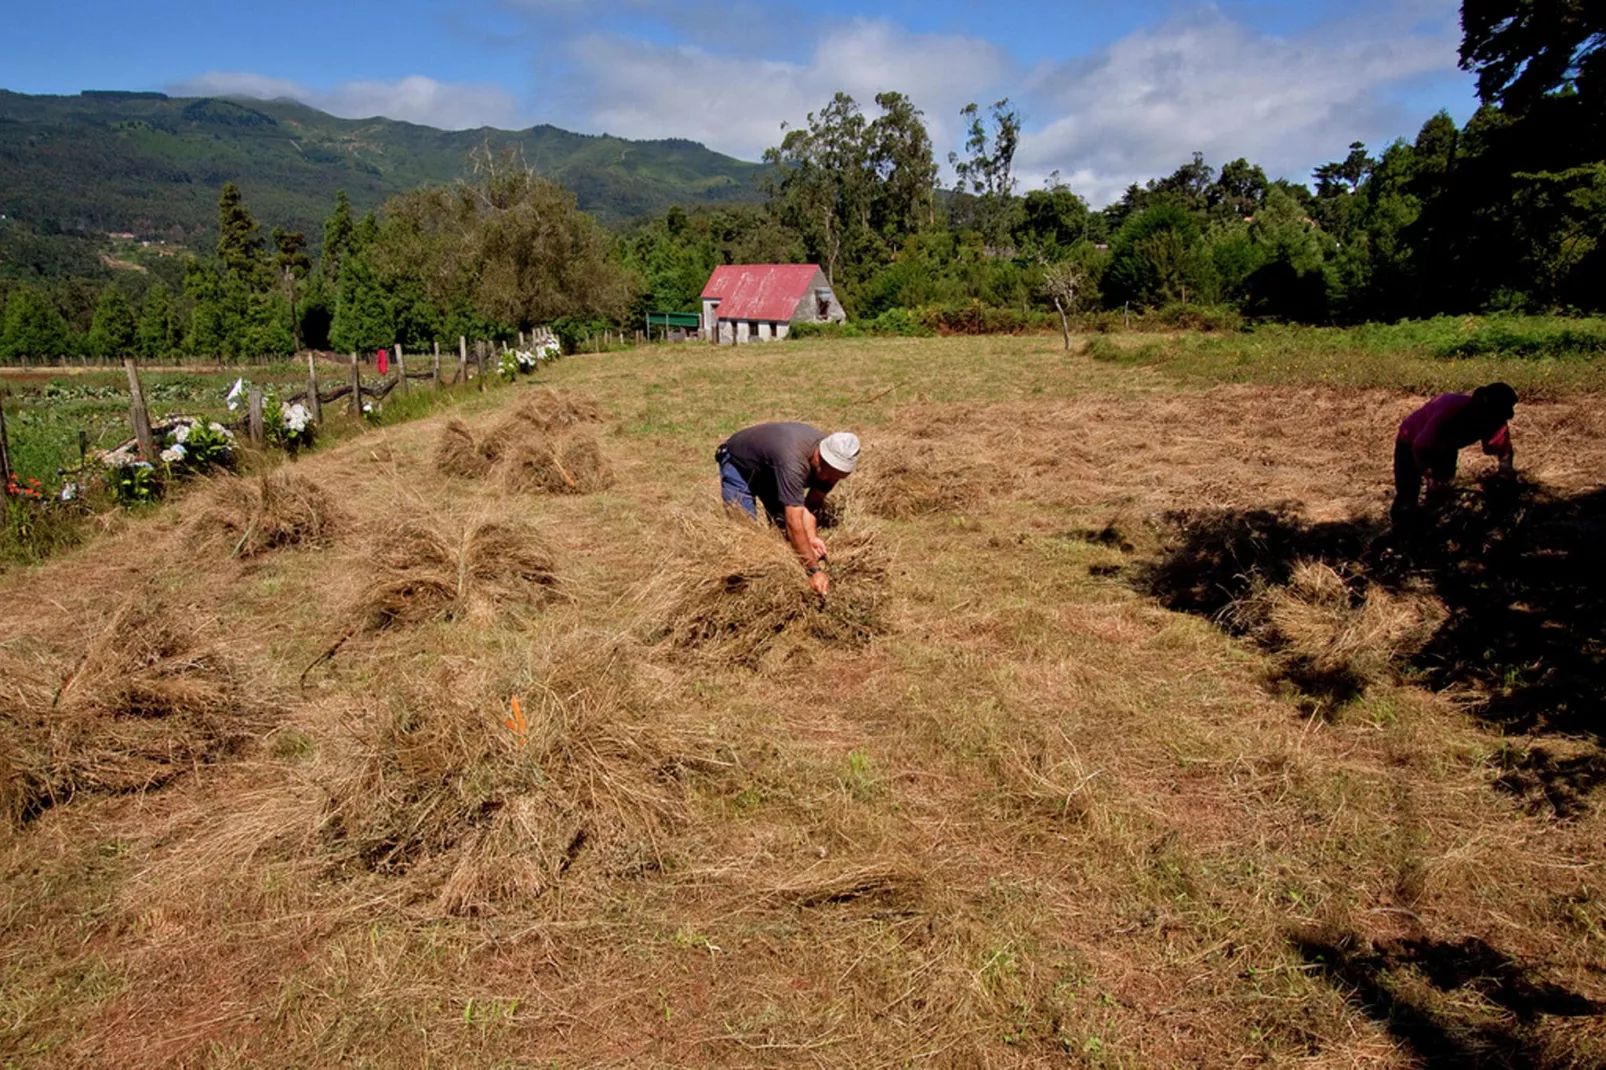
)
(799, 531)
(812, 504)
(1499, 445)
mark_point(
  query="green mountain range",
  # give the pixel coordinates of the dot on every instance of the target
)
(111, 162)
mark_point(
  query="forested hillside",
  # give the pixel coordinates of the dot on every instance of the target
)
(152, 165)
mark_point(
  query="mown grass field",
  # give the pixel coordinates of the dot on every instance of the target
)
(1087, 760)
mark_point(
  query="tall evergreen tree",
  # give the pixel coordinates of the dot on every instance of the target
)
(115, 328)
(158, 334)
(32, 328)
(338, 234)
(239, 238)
(362, 315)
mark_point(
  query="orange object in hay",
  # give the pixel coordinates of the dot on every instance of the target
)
(516, 723)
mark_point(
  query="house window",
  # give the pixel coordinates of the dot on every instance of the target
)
(822, 303)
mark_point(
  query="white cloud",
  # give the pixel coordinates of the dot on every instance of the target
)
(1139, 108)
(413, 99)
(736, 105)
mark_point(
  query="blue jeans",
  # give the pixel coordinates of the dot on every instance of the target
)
(733, 487)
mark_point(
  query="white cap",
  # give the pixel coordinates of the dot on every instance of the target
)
(840, 451)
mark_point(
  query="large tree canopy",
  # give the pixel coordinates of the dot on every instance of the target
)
(1524, 49)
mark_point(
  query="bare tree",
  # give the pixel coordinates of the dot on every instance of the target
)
(1064, 283)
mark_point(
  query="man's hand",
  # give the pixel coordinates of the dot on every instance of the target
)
(821, 583)
(818, 546)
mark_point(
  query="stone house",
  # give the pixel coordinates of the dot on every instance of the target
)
(760, 302)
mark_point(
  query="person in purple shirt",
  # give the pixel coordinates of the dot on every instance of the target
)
(1431, 437)
(789, 468)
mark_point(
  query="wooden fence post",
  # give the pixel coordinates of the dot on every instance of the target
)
(356, 388)
(5, 446)
(479, 364)
(314, 406)
(401, 368)
(462, 359)
(259, 437)
(437, 371)
(140, 415)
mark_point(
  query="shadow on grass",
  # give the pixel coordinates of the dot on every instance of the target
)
(1419, 989)
(1518, 569)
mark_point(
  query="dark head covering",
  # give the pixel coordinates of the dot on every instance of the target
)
(1497, 398)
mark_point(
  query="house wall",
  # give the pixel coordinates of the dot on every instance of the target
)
(710, 319)
(808, 309)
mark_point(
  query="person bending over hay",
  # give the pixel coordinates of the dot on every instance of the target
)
(789, 468)
(1430, 438)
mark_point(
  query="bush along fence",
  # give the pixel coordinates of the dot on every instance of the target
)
(159, 451)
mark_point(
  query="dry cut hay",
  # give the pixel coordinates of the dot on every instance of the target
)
(457, 454)
(445, 569)
(275, 510)
(533, 451)
(905, 481)
(571, 465)
(150, 699)
(1335, 636)
(547, 413)
(742, 596)
(551, 410)
(448, 791)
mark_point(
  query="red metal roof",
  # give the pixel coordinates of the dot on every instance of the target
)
(759, 291)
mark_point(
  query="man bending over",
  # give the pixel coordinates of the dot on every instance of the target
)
(1430, 438)
(789, 468)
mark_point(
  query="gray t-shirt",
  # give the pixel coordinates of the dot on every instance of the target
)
(777, 458)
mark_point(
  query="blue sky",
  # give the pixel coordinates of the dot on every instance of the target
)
(1110, 92)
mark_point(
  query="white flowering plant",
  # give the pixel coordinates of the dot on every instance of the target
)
(516, 362)
(185, 445)
(294, 428)
(130, 480)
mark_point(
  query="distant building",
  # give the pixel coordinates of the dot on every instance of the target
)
(760, 302)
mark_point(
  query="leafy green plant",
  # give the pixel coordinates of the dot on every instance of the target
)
(133, 483)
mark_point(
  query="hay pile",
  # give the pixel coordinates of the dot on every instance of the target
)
(906, 481)
(485, 816)
(538, 448)
(448, 568)
(540, 465)
(1333, 637)
(457, 454)
(275, 510)
(741, 596)
(149, 699)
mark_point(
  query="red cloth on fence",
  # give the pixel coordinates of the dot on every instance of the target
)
(382, 358)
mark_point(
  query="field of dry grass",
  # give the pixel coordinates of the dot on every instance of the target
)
(1127, 738)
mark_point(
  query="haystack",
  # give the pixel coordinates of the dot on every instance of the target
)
(457, 454)
(907, 481)
(583, 459)
(150, 699)
(742, 597)
(551, 410)
(445, 569)
(275, 510)
(545, 414)
(490, 811)
(537, 449)
(1334, 636)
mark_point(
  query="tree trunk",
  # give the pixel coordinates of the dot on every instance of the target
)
(1065, 323)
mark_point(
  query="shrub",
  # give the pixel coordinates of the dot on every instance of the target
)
(1529, 337)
